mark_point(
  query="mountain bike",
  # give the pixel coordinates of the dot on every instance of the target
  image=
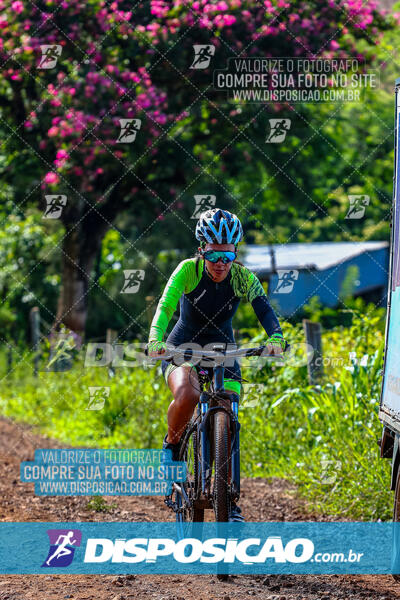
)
(210, 443)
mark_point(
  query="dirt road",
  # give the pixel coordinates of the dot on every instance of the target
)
(261, 500)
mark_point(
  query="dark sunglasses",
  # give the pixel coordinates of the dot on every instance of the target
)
(214, 256)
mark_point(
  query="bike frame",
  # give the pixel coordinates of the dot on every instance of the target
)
(219, 355)
(204, 431)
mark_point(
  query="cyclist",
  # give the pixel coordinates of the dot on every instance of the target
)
(208, 287)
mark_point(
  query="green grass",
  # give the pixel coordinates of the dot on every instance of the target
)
(323, 439)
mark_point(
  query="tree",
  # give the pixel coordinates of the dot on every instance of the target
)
(62, 124)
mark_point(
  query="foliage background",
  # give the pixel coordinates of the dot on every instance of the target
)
(324, 439)
(58, 135)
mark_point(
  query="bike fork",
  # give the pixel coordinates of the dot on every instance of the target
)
(205, 444)
(235, 458)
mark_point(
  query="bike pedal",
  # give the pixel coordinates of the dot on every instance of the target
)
(170, 503)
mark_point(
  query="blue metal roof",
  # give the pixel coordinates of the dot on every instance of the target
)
(318, 269)
(317, 255)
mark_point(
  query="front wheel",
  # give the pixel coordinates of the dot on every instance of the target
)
(221, 496)
(221, 467)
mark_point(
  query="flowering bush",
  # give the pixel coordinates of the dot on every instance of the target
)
(70, 70)
(103, 70)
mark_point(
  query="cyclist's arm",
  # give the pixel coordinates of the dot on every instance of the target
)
(176, 286)
(262, 307)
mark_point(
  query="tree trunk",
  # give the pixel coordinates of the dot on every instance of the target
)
(80, 247)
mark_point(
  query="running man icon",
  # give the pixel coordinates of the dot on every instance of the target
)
(286, 281)
(50, 55)
(62, 547)
(203, 54)
(357, 207)
(279, 129)
(133, 279)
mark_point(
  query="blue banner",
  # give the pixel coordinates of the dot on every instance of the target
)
(208, 548)
(92, 472)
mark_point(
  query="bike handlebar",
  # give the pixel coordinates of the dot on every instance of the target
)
(217, 354)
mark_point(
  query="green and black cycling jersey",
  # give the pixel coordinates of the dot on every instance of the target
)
(207, 307)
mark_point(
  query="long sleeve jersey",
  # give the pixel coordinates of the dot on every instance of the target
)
(207, 307)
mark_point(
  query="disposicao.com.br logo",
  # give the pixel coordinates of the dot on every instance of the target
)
(233, 547)
(190, 550)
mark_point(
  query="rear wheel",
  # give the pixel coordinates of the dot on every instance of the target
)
(221, 467)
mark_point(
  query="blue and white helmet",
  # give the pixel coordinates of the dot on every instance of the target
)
(218, 226)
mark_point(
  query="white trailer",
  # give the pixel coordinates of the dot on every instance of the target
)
(389, 409)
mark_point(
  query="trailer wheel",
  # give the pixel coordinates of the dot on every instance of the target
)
(396, 511)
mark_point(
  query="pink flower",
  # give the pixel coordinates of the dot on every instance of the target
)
(62, 154)
(52, 132)
(51, 177)
(17, 6)
(224, 20)
(229, 20)
(334, 45)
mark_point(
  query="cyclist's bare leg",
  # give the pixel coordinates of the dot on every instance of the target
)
(185, 388)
